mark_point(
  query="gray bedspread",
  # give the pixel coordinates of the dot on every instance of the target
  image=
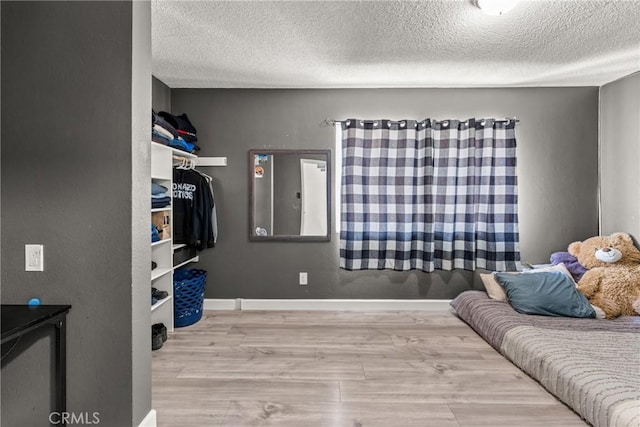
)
(592, 365)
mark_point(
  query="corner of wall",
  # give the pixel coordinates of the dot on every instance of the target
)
(619, 155)
(140, 182)
(599, 188)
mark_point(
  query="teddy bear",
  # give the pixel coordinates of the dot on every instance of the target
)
(612, 280)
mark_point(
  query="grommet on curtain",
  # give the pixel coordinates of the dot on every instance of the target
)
(445, 123)
(403, 124)
(348, 122)
(375, 123)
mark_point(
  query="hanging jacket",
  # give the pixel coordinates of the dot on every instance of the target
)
(192, 207)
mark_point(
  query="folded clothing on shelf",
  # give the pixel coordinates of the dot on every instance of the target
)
(162, 131)
(157, 120)
(160, 196)
(158, 189)
(182, 124)
(160, 138)
(175, 131)
(160, 202)
(181, 144)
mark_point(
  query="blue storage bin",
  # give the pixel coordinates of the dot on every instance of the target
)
(188, 296)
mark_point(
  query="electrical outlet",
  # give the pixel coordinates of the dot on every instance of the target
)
(303, 278)
(33, 258)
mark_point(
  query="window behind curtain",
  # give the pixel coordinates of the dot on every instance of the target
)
(428, 195)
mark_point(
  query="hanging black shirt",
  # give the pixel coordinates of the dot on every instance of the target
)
(192, 206)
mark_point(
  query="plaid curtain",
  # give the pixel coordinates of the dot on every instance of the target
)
(429, 195)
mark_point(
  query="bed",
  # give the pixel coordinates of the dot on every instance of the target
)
(591, 365)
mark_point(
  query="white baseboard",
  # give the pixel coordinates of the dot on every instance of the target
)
(220, 304)
(326, 304)
(150, 420)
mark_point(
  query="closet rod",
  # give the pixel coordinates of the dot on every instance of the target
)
(332, 122)
(203, 161)
(211, 161)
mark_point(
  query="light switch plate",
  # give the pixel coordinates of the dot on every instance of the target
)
(33, 258)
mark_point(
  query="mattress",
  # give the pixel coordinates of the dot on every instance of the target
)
(591, 365)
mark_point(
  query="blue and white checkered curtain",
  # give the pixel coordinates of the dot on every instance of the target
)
(429, 195)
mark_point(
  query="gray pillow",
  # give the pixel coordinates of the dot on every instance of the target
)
(547, 294)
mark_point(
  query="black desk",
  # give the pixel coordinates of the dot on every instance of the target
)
(18, 320)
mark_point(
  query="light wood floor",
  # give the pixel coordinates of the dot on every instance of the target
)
(292, 368)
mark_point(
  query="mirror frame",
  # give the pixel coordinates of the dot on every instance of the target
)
(287, 237)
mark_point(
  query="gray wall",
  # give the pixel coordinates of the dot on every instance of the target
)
(161, 95)
(557, 152)
(140, 205)
(620, 156)
(67, 153)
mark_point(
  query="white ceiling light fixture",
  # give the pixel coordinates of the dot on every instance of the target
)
(495, 7)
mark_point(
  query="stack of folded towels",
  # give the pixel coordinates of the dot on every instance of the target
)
(160, 196)
(174, 131)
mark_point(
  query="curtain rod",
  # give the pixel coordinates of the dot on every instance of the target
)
(332, 122)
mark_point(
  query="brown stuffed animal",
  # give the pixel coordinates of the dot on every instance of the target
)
(612, 282)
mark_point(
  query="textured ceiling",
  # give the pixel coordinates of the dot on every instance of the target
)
(338, 44)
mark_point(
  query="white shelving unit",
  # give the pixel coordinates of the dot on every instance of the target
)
(162, 251)
(185, 262)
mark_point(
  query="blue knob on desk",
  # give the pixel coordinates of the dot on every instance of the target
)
(34, 301)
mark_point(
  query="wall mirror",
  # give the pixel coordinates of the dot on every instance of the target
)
(290, 195)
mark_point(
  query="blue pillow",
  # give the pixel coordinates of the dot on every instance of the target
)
(547, 294)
